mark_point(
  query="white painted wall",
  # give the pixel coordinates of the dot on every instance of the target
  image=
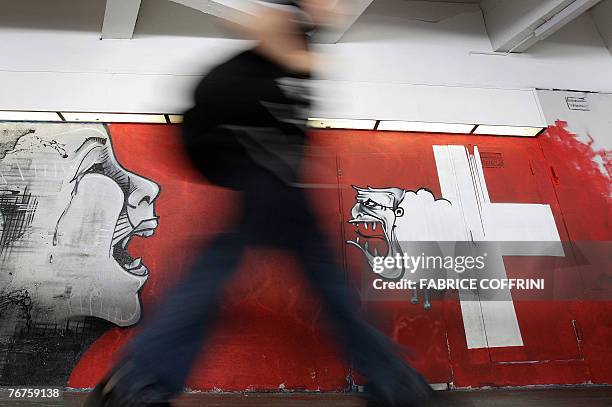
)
(428, 103)
(591, 126)
(383, 65)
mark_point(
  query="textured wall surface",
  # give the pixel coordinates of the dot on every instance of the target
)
(99, 222)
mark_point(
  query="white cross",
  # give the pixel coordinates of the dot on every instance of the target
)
(490, 324)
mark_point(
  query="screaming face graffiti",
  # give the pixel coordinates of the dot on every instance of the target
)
(68, 211)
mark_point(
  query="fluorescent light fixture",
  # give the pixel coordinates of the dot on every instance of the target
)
(8, 115)
(425, 127)
(508, 130)
(176, 118)
(114, 118)
(356, 124)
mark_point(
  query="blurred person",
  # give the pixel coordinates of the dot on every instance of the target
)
(247, 132)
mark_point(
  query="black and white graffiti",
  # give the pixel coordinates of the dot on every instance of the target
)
(68, 210)
(388, 220)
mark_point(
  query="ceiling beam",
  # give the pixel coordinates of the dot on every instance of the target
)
(230, 10)
(347, 13)
(602, 15)
(120, 19)
(516, 25)
(558, 21)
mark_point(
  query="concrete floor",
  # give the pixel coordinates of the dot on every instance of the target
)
(548, 397)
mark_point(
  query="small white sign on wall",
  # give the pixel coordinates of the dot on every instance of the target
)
(578, 103)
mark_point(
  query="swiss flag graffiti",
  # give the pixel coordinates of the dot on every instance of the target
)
(491, 323)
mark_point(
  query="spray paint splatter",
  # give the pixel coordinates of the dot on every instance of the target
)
(579, 158)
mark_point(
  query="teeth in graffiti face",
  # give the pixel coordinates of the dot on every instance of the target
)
(375, 252)
(357, 239)
(374, 226)
(121, 255)
(366, 225)
(366, 245)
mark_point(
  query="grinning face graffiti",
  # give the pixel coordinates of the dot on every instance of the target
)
(68, 211)
(386, 220)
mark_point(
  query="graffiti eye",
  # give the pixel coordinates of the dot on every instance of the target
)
(97, 168)
(370, 204)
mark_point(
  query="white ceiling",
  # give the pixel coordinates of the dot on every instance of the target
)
(153, 16)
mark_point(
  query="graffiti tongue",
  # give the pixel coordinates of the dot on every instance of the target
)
(368, 229)
(370, 238)
(376, 246)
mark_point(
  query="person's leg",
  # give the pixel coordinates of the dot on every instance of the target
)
(392, 381)
(156, 362)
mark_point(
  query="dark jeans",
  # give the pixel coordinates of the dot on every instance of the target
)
(278, 215)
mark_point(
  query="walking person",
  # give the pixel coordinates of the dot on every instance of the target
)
(247, 132)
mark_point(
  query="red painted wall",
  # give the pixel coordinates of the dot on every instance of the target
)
(271, 332)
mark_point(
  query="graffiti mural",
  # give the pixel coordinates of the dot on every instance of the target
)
(68, 211)
(89, 247)
(464, 213)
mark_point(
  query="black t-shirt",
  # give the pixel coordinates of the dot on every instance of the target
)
(248, 111)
